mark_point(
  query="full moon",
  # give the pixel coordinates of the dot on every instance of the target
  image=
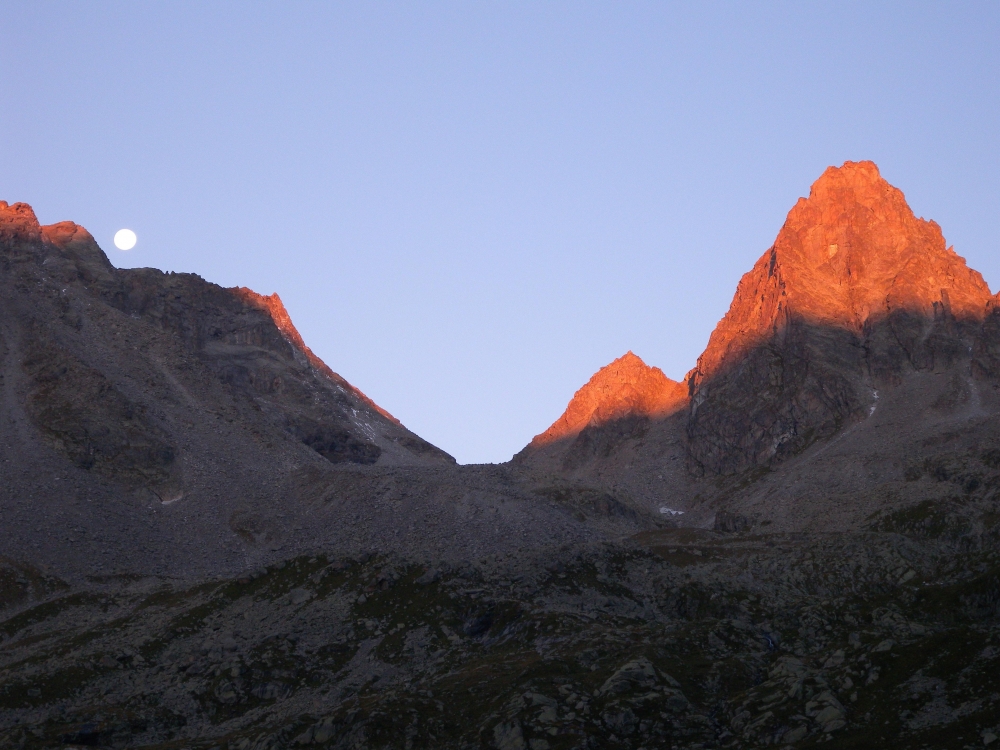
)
(125, 239)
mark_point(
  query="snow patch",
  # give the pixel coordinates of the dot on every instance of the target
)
(169, 498)
(670, 512)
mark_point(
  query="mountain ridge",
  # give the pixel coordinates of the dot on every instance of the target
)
(854, 293)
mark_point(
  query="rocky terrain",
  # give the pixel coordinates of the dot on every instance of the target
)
(211, 540)
(680, 638)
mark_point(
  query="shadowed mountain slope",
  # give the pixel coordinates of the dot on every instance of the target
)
(80, 321)
(160, 423)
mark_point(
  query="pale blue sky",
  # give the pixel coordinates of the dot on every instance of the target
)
(468, 208)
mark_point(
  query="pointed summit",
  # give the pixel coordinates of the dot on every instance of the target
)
(626, 387)
(849, 255)
(855, 293)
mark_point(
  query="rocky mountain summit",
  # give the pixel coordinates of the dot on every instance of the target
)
(855, 294)
(626, 388)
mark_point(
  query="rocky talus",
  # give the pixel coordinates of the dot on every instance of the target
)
(678, 639)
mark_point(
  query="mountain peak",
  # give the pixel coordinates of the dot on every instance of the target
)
(855, 293)
(849, 255)
(626, 387)
(861, 176)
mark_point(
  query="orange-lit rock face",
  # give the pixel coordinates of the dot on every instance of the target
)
(276, 309)
(19, 223)
(626, 387)
(77, 255)
(849, 255)
(855, 292)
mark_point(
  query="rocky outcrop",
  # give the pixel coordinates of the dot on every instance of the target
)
(855, 292)
(986, 352)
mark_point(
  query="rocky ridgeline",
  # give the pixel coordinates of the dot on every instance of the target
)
(855, 296)
(84, 332)
(213, 542)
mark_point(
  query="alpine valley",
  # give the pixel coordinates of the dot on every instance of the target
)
(212, 541)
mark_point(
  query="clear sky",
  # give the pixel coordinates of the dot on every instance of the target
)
(468, 208)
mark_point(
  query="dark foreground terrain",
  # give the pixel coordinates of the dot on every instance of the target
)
(679, 639)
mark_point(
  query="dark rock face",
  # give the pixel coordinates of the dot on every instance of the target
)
(782, 396)
(335, 445)
(93, 423)
(986, 351)
(63, 292)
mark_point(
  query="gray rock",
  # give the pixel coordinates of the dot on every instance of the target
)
(431, 576)
(831, 719)
(794, 735)
(637, 673)
(508, 736)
